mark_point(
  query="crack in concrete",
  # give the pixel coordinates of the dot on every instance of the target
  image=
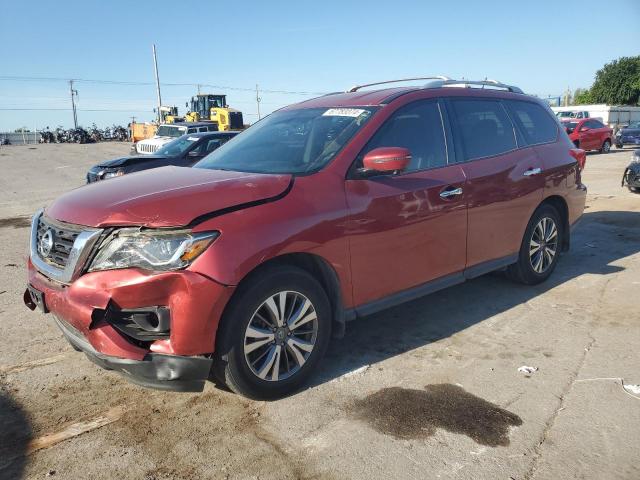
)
(565, 391)
(552, 418)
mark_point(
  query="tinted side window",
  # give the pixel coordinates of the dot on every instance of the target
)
(596, 124)
(484, 127)
(418, 127)
(213, 144)
(536, 124)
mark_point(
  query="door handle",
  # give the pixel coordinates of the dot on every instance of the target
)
(532, 171)
(451, 193)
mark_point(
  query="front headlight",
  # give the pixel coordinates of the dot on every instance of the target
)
(112, 173)
(151, 249)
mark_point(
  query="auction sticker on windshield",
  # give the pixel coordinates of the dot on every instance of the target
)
(344, 112)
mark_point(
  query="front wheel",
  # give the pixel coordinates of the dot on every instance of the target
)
(606, 147)
(540, 248)
(274, 334)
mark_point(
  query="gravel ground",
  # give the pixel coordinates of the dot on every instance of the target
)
(430, 389)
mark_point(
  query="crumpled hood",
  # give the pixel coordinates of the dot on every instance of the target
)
(163, 197)
(131, 160)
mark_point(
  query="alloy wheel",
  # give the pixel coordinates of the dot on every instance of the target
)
(543, 245)
(280, 336)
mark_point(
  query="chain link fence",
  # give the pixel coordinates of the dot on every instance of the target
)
(20, 138)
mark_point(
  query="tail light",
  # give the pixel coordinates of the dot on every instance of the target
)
(580, 156)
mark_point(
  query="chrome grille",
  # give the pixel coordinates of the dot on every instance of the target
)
(145, 148)
(63, 238)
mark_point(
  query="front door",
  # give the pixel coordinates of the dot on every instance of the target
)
(411, 228)
(589, 136)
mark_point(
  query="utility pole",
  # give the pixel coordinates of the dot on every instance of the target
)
(258, 100)
(155, 67)
(198, 89)
(74, 93)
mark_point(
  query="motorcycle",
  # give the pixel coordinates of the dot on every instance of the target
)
(95, 134)
(120, 133)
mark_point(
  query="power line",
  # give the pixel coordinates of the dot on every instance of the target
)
(130, 83)
(78, 110)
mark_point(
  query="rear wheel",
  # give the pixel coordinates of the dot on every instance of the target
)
(606, 147)
(274, 334)
(540, 248)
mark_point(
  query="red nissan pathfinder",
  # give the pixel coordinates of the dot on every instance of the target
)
(328, 210)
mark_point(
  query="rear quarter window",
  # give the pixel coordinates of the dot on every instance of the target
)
(484, 128)
(534, 121)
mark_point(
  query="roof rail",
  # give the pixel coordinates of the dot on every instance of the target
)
(358, 87)
(469, 83)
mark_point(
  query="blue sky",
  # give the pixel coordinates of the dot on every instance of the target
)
(541, 46)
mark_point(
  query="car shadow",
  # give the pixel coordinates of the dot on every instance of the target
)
(598, 242)
(15, 436)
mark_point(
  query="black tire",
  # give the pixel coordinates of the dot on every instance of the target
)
(634, 189)
(619, 145)
(606, 147)
(230, 364)
(523, 270)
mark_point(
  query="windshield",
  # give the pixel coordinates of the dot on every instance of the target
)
(293, 141)
(570, 126)
(169, 131)
(177, 146)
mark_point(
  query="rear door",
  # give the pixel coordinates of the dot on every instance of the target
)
(411, 228)
(603, 132)
(504, 182)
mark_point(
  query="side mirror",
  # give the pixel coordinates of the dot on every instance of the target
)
(387, 159)
(585, 129)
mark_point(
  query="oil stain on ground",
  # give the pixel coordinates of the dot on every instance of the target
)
(413, 414)
(15, 222)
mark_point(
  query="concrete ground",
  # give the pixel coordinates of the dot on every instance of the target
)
(430, 389)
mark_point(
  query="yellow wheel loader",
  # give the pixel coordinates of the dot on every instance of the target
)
(214, 108)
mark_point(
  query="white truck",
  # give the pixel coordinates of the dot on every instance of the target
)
(615, 117)
(169, 132)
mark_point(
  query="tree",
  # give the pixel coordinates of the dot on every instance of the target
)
(582, 96)
(617, 83)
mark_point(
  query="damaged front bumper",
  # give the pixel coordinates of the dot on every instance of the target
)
(155, 370)
(156, 329)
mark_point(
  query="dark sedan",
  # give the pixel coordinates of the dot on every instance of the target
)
(628, 135)
(182, 152)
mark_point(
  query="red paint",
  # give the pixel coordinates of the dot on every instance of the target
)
(380, 235)
(387, 159)
(163, 197)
